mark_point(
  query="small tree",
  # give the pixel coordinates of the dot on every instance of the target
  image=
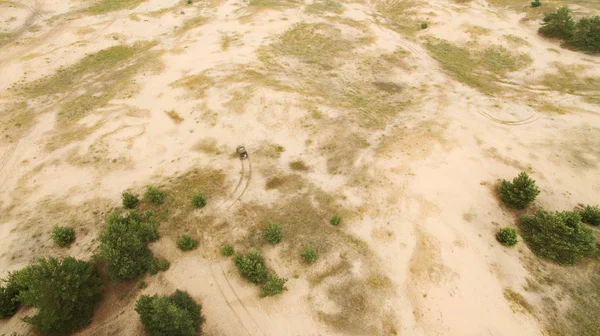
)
(272, 232)
(63, 291)
(274, 286)
(507, 236)
(227, 250)
(175, 315)
(309, 254)
(198, 200)
(124, 245)
(63, 236)
(186, 243)
(559, 24)
(335, 220)
(129, 200)
(591, 215)
(559, 236)
(154, 195)
(587, 35)
(8, 301)
(520, 193)
(536, 3)
(251, 266)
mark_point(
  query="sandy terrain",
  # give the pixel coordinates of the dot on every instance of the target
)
(405, 142)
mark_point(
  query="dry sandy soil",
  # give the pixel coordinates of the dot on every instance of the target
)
(402, 131)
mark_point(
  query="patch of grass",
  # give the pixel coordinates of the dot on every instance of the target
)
(227, 250)
(516, 41)
(400, 15)
(196, 85)
(174, 116)
(335, 220)
(298, 165)
(192, 23)
(15, 120)
(270, 150)
(517, 300)
(499, 60)
(106, 6)
(198, 200)
(239, 99)
(309, 254)
(570, 79)
(208, 146)
(324, 6)
(227, 40)
(475, 31)
(341, 153)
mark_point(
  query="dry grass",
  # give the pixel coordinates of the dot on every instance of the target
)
(208, 146)
(324, 6)
(516, 41)
(105, 6)
(177, 119)
(15, 120)
(518, 301)
(476, 31)
(192, 23)
(270, 150)
(299, 165)
(196, 85)
(568, 79)
(227, 40)
(400, 15)
(341, 153)
(239, 99)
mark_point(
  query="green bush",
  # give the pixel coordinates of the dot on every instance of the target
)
(129, 200)
(424, 25)
(154, 195)
(175, 315)
(272, 233)
(274, 286)
(559, 24)
(586, 36)
(227, 250)
(335, 220)
(124, 245)
(63, 236)
(309, 254)
(186, 243)
(559, 236)
(198, 200)
(63, 292)
(158, 265)
(536, 3)
(591, 215)
(251, 266)
(507, 236)
(8, 301)
(520, 193)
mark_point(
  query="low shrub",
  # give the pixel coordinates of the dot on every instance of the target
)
(507, 236)
(272, 233)
(251, 266)
(559, 236)
(177, 315)
(158, 265)
(63, 236)
(8, 301)
(536, 3)
(591, 215)
(424, 25)
(227, 250)
(520, 193)
(154, 195)
(274, 286)
(335, 220)
(198, 200)
(186, 243)
(129, 200)
(309, 254)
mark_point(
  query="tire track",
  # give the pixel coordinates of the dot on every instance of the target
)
(232, 194)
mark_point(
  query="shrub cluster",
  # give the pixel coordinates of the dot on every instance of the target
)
(507, 236)
(272, 233)
(175, 315)
(583, 35)
(124, 245)
(252, 268)
(158, 265)
(198, 200)
(559, 236)
(129, 200)
(63, 236)
(309, 254)
(273, 286)
(186, 243)
(591, 215)
(8, 300)
(154, 195)
(520, 193)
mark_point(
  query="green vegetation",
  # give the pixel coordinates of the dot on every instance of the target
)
(591, 215)
(273, 286)
(559, 24)
(571, 79)
(186, 243)
(583, 35)
(507, 236)
(175, 315)
(322, 6)
(192, 23)
(123, 244)
(8, 300)
(298, 165)
(196, 85)
(520, 193)
(158, 265)
(251, 266)
(227, 250)
(424, 25)
(272, 233)
(154, 195)
(198, 200)
(105, 6)
(63, 236)
(129, 200)
(309, 254)
(63, 291)
(536, 3)
(335, 220)
(559, 236)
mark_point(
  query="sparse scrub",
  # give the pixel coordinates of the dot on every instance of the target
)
(274, 285)
(186, 243)
(123, 244)
(298, 165)
(590, 215)
(129, 200)
(198, 200)
(309, 254)
(507, 236)
(335, 220)
(227, 250)
(63, 291)
(559, 236)
(520, 193)
(177, 315)
(272, 232)
(63, 236)
(154, 195)
(251, 266)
